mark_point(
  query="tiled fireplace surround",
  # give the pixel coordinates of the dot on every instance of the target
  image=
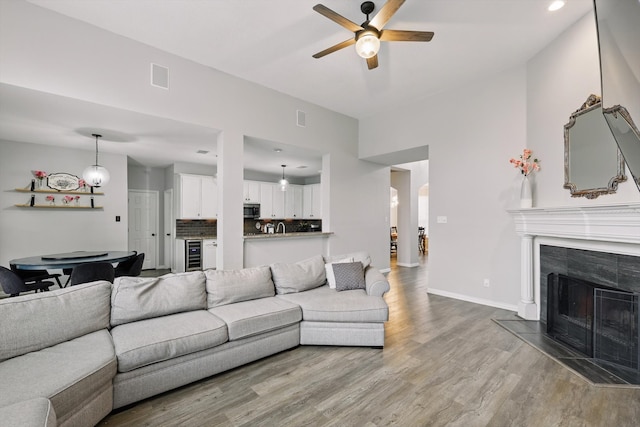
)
(605, 230)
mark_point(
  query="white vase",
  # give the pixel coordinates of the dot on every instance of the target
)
(526, 193)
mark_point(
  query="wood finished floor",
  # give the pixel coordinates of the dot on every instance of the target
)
(445, 363)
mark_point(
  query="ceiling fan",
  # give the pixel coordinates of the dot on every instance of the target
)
(369, 35)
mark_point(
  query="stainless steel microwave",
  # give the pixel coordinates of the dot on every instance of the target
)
(252, 210)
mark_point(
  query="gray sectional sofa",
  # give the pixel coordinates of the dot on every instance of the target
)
(68, 357)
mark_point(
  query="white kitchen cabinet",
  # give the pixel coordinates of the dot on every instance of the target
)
(251, 191)
(312, 201)
(197, 197)
(293, 201)
(271, 201)
(209, 253)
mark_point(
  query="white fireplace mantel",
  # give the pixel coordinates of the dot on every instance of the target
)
(610, 228)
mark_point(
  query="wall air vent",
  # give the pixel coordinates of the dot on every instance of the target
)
(301, 118)
(159, 76)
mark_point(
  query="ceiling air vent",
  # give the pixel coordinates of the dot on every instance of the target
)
(159, 76)
(301, 118)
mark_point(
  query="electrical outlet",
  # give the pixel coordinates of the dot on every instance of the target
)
(486, 283)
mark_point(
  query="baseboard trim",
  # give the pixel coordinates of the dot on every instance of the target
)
(403, 264)
(385, 270)
(474, 300)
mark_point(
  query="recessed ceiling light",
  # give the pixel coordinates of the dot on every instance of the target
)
(302, 167)
(555, 5)
(202, 152)
(278, 150)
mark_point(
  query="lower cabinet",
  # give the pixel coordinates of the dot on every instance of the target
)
(209, 254)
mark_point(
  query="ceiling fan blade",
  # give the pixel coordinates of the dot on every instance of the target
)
(387, 11)
(333, 48)
(337, 18)
(405, 36)
(372, 62)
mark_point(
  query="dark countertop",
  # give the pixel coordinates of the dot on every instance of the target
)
(266, 236)
(198, 237)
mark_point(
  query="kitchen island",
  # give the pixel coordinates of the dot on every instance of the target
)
(265, 248)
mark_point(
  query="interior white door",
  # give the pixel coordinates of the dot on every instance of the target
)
(168, 229)
(143, 225)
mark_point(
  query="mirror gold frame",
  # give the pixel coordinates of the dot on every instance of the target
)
(593, 164)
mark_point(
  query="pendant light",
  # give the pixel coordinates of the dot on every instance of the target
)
(283, 182)
(96, 175)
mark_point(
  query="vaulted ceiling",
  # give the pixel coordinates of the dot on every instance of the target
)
(272, 42)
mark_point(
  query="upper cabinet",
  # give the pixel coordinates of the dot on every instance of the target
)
(293, 201)
(197, 197)
(251, 191)
(312, 201)
(297, 202)
(271, 201)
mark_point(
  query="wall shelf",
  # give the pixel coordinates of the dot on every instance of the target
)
(57, 206)
(52, 191)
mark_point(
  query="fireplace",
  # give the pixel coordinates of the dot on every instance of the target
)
(599, 244)
(598, 321)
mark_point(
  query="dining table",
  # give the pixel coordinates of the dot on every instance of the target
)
(69, 259)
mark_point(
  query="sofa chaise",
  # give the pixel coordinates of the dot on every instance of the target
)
(70, 356)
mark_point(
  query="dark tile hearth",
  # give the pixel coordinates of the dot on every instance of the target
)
(595, 372)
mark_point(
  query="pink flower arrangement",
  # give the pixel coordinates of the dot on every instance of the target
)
(82, 183)
(51, 199)
(67, 199)
(525, 164)
(39, 174)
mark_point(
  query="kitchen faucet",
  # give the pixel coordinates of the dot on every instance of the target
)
(283, 227)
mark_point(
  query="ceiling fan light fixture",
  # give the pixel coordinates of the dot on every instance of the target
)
(367, 44)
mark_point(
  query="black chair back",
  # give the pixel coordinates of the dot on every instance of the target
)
(34, 275)
(131, 267)
(92, 271)
(13, 285)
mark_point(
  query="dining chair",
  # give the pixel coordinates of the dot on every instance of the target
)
(13, 285)
(34, 276)
(131, 267)
(394, 238)
(90, 272)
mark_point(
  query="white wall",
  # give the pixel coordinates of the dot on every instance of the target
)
(29, 232)
(472, 132)
(64, 57)
(559, 80)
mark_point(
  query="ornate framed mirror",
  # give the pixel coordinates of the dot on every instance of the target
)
(593, 164)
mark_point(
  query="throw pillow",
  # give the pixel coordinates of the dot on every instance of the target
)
(349, 275)
(361, 256)
(331, 278)
(298, 277)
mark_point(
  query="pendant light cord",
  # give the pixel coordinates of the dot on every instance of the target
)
(97, 136)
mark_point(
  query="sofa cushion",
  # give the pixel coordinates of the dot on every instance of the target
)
(361, 256)
(36, 321)
(254, 317)
(69, 374)
(153, 340)
(229, 286)
(349, 275)
(327, 305)
(300, 276)
(29, 413)
(138, 298)
(328, 269)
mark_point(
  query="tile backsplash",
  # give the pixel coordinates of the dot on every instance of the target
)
(196, 227)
